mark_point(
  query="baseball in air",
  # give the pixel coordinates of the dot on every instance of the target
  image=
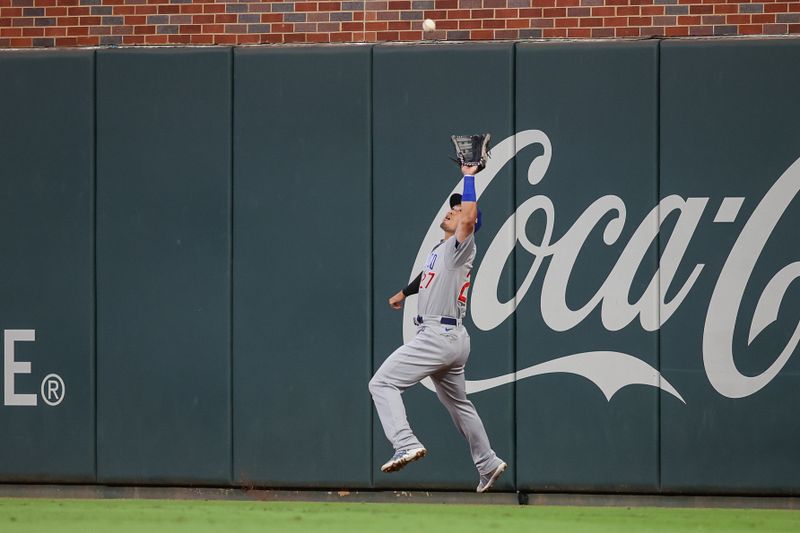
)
(428, 25)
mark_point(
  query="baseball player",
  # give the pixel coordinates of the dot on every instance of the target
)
(441, 346)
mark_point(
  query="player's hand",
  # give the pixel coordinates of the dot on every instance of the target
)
(469, 170)
(396, 301)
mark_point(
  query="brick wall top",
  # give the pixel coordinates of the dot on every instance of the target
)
(47, 23)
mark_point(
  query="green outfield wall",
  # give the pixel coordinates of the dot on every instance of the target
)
(199, 245)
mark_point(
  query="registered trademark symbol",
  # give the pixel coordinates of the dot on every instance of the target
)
(53, 389)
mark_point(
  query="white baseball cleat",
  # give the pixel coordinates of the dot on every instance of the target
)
(401, 458)
(487, 481)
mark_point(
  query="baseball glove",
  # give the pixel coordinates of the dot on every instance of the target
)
(472, 150)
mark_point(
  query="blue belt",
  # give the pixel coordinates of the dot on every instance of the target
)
(445, 320)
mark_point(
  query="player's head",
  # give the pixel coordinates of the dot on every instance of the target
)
(452, 217)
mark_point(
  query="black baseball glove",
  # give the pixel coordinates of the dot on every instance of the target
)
(471, 150)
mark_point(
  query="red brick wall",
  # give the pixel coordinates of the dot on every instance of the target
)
(43, 23)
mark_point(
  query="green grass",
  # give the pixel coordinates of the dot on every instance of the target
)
(173, 516)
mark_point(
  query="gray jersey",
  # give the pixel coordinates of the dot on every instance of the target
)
(445, 280)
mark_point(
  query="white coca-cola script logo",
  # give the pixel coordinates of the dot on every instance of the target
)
(610, 370)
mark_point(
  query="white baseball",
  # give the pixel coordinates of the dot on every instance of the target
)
(428, 25)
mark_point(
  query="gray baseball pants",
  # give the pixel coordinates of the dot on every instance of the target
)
(440, 352)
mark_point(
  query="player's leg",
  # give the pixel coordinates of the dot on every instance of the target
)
(394, 376)
(408, 365)
(451, 390)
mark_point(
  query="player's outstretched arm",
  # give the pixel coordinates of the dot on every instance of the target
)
(469, 204)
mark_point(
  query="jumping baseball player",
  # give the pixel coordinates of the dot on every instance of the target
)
(441, 346)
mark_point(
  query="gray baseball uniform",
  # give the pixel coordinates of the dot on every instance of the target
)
(440, 350)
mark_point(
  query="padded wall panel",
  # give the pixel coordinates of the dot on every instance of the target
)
(729, 139)
(302, 267)
(163, 265)
(595, 105)
(422, 96)
(47, 270)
